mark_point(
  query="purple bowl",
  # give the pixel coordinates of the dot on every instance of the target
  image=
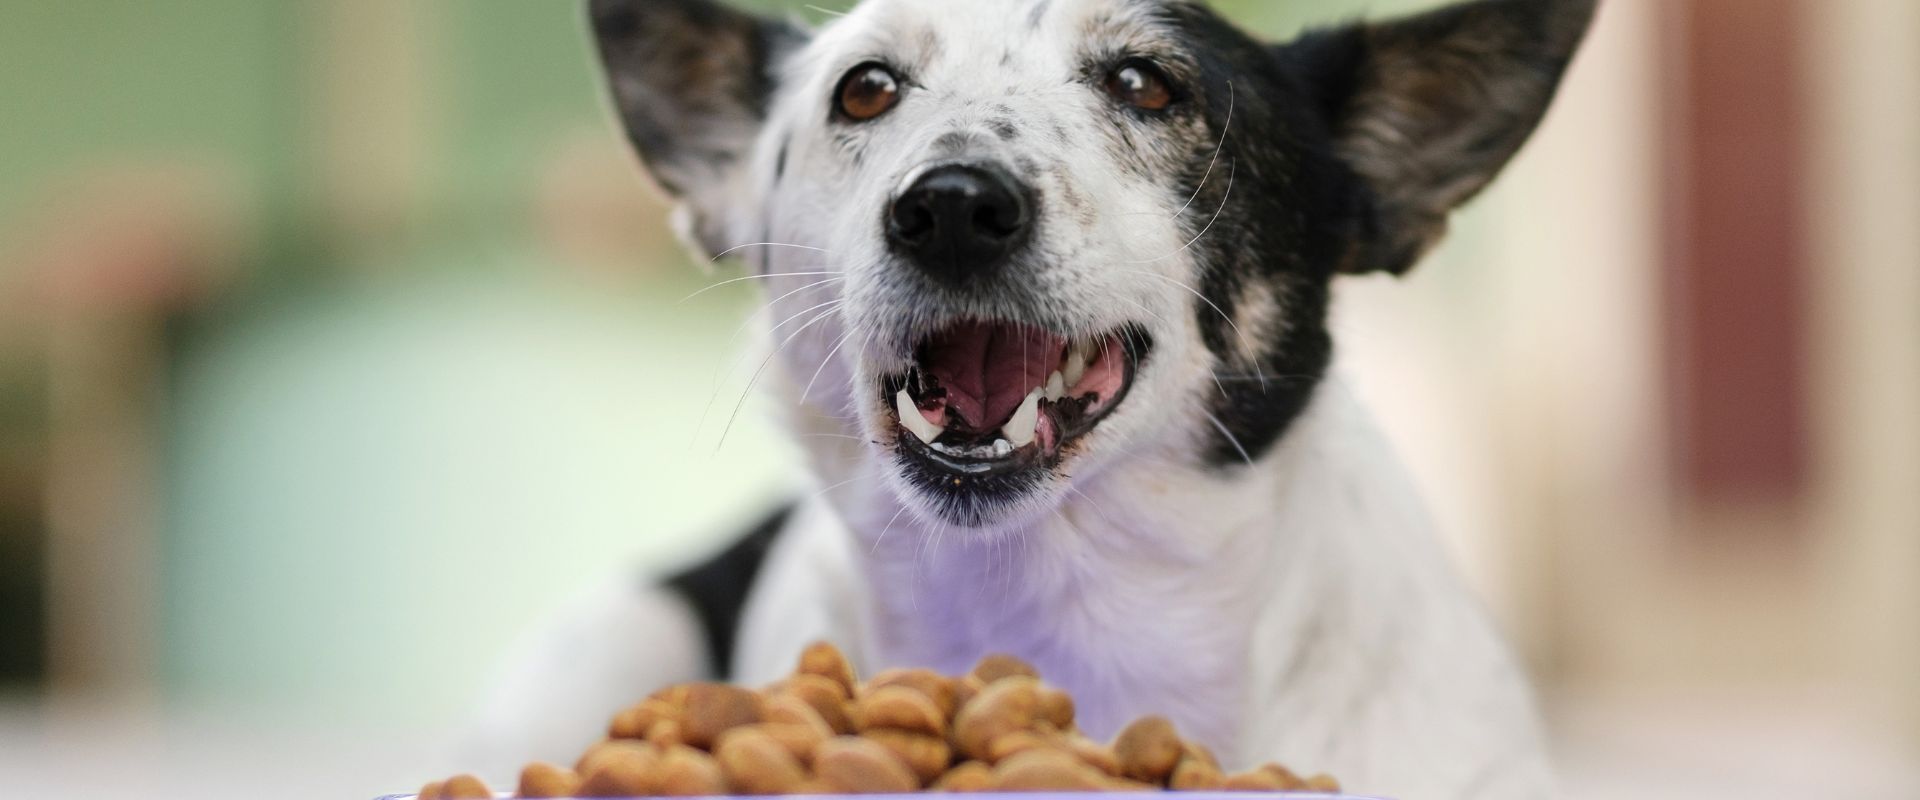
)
(1035, 797)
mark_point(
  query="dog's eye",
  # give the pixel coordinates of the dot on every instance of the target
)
(1140, 84)
(867, 91)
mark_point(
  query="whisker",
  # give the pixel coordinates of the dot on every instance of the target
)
(731, 250)
(1234, 440)
(841, 484)
(769, 305)
(738, 359)
(748, 392)
(1224, 129)
(1231, 168)
(825, 361)
(1244, 343)
(744, 278)
(832, 436)
(888, 529)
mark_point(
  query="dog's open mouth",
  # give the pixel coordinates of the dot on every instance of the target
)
(996, 397)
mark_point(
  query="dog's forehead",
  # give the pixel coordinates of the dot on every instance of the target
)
(1030, 38)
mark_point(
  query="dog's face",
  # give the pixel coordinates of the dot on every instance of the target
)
(1021, 241)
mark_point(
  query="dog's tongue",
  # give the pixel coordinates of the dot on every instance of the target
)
(988, 369)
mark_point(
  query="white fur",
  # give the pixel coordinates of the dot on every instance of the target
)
(1299, 612)
(1294, 609)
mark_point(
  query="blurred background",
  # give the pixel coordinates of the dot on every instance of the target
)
(340, 341)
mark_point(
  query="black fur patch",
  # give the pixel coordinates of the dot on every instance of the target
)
(717, 589)
(1304, 209)
(691, 79)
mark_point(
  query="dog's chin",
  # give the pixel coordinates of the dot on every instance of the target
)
(987, 415)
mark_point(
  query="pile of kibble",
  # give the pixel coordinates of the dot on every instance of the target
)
(822, 731)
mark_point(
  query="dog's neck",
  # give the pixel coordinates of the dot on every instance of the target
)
(1154, 582)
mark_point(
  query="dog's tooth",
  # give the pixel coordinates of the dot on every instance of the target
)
(1024, 427)
(911, 418)
(1056, 386)
(1002, 448)
(1076, 366)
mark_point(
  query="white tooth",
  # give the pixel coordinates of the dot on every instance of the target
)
(1056, 386)
(910, 417)
(1002, 448)
(1076, 367)
(1025, 424)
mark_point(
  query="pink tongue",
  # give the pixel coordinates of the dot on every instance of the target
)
(988, 369)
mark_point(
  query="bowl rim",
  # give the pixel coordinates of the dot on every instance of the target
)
(1159, 795)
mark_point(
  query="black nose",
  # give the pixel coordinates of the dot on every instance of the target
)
(959, 222)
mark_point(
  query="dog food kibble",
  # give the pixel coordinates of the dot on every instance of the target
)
(543, 780)
(822, 731)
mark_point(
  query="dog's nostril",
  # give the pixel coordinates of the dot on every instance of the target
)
(912, 221)
(996, 220)
(959, 222)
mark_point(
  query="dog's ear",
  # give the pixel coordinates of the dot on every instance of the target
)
(692, 80)
(1428, 109)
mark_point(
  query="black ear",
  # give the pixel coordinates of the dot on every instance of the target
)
(692, 80)
(1428, 109)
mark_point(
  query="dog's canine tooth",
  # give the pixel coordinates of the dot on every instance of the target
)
(1056, 386)
(1024, 427)
(1076, 366)
(911, 418)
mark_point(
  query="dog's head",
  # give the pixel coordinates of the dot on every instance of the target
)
(1022, 241)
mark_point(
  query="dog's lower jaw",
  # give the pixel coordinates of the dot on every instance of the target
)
(1300, 610)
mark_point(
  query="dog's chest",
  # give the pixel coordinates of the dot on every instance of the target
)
(1106, 620)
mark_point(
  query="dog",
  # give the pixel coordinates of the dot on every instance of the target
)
(1053, 279)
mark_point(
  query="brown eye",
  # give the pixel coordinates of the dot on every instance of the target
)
(1141, 85)
(867, 92)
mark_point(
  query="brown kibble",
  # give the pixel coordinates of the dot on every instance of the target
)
(665, 734)
(1195, 775)
(1149, 749)
(1003, 707)
(1196, 750)
(1124, 785)
(614, 749)
(827, 699)
(713, 709)
(543, 780)
(926, 755)
(817, 732)
(675, 695)
(1008, 745)
(1047, 771)
(964, 690)
(900, 708)
(1097, 755)
(635, 722)
(1253, 780)
(826, 661)
(618, 769)
(933, 685)
(1288, 780)
(972, 776)
(999, 665)
(788, 709)
(1056, 707)
(686, 772)
(755, 763)
(852, 765)
(798, 739)
(465, 787)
